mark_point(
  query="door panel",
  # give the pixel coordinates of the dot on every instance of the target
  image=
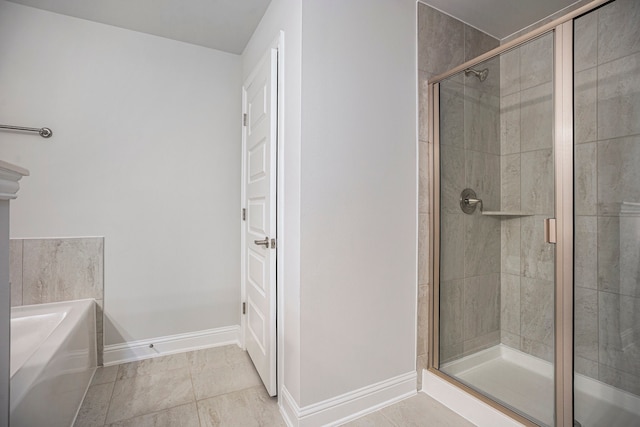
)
(259, 181)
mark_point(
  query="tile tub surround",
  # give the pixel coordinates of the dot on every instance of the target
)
(443, 43)
(54, 270)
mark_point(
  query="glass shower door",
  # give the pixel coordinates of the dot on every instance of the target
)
(496, 272)
(607, 215)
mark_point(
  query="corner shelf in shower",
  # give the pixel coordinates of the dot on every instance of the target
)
(508, 214)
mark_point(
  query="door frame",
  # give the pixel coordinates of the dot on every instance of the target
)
(278, 45)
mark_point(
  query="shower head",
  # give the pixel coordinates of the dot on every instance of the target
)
(481, 75)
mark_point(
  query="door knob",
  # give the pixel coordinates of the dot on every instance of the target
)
(264, 242)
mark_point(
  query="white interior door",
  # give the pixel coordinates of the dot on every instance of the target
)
(259, 200)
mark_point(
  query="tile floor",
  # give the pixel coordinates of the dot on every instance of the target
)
(215, 387)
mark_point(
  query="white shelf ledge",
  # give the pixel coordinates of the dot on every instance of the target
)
(506, 213)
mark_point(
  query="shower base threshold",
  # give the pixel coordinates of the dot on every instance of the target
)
(526, 382)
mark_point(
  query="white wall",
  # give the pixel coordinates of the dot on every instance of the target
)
(286, 16)
(358, 195)
(146, 152)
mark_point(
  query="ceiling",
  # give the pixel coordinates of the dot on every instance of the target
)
(500, 18)
(225, 25)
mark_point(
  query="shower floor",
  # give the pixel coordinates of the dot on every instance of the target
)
(526, 382)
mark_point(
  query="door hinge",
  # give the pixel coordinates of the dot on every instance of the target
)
(244, 308)
(244, 119)
(273, 243)
(244, 214)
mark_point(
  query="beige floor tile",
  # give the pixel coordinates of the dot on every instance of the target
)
(423, 411)
(247, 408)
(217, 357)
(180, 416)
(149, 393)
(94, 406)
(375, 419)
(152, 366)
(106, 374)
(225, 379)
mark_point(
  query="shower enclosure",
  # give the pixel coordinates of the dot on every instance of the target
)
(536, 222)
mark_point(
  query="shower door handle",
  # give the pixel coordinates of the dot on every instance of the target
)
(550, 230)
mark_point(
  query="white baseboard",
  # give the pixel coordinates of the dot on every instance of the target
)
(349, 406)
(162, 346)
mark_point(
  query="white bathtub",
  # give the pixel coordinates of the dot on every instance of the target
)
(53, 358)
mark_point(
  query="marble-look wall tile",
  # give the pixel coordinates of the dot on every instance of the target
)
(537, 311)
(423, 250)
(452, 113)
(618, 30)
(536, 62)
(452, 246)
(452, 352)
(536, 117)
(483, 175)
(586, 252)
(586, 323)
(537, 184)
(451, 313)
(630, 255)
(538, 256)
(442, 40)
(482, 342)
(585, 39)
(586, 179)
(619, 329)
(619, 97)
(608, 253)
(510, 252)
(510, 340)
(100, 330)
(510, 124)
(423, 175)
(423, 320)
(452, 178)
(537, 349)
(510, 72)
(510, 303)
(618, 172)
(482, 245)
(62, 269)
(481, 306)
(423, 105)
(510, 182)
(481, 121)
(585, 367)
(619, 379)
(15, 271)
(584, 106)
(476, 43)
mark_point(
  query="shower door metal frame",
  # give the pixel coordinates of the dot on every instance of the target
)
(563, 184)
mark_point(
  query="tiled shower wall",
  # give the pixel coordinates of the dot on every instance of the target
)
(607, 206)
(470, 243)
(443, 43)
(527, 186)
(53, 270)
